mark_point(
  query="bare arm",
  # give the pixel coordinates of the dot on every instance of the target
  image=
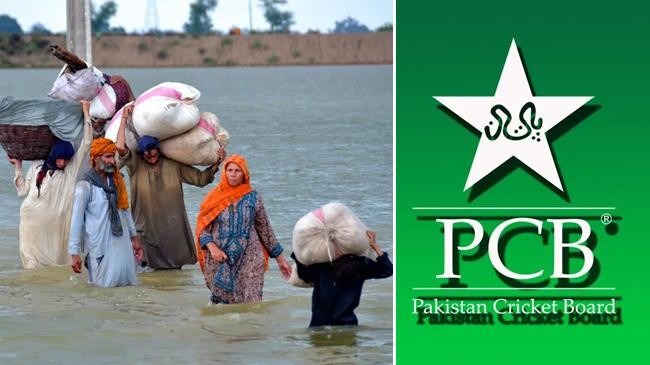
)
(196, 177)
(268, 240)
(21, 182)
(121, 132)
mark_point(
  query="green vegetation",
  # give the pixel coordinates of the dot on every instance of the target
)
(230, 63)
(296, 53)
(14, 44)
(39, 29)
(99, 20)
(199, 21)
(388, 27)
(143, 47)
(209, 61)
(162, 54)
(226, 42)
(257, 44)
(9, 25)
(349, 25)
(273, 59)
(279, 20)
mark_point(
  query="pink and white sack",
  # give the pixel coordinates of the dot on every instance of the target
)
(200, 145)
(166, 110)
(103, 105)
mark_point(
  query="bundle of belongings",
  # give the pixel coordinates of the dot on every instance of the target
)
(169, 112)
(326, 234)
(28, 128)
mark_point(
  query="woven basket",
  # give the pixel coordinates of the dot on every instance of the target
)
(26, 142)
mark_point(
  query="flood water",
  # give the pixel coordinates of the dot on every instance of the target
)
(311, 135)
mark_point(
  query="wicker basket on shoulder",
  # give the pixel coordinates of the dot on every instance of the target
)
(25, 142)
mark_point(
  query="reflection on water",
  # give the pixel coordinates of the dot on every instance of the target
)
(311, 135)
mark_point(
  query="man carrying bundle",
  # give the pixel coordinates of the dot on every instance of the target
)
(157, 199)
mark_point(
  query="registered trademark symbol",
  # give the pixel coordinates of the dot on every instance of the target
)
(606, 218)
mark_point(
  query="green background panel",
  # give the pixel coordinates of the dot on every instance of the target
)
(569, 48)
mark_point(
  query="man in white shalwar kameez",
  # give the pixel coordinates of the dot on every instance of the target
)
(102, 225)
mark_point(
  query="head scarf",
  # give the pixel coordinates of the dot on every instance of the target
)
(147, 143)
(60, 150)
(217, 200)
(99, 147)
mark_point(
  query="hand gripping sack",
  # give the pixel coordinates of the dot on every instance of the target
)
(295, 280)
(328, 233)
(198, 146)
(166, 110)
(103, 105)
(113, 126)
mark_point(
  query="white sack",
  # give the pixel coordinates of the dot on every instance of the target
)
(81, 85)
(166, 110)
(340, 232)
(103, 105)
(198, 146)
(295, 280)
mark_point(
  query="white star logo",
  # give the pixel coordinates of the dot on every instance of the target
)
(513, 123)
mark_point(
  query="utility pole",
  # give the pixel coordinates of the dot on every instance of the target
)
(151, 17)
(250, 17)
(78, 37)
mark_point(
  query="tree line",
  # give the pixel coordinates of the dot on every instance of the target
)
(198, 23)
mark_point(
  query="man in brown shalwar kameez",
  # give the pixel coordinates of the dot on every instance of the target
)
(157, 200)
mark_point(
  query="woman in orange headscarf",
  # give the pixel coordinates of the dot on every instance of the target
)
(234, 238)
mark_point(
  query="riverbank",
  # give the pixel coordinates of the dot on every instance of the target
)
(207, 51)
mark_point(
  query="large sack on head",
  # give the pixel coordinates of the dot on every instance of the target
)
(166, 110)
(198, 146)
(328, 233)
(81, 85)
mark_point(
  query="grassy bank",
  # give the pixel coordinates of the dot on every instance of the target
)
(208, 51)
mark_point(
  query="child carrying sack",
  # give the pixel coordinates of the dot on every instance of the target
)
(328, 233)
(200, 145)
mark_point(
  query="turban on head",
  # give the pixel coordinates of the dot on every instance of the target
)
(147, 143)
(99, 147)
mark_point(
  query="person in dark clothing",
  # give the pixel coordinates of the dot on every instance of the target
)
(337, 285)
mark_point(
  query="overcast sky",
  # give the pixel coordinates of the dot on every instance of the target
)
(131, 14)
